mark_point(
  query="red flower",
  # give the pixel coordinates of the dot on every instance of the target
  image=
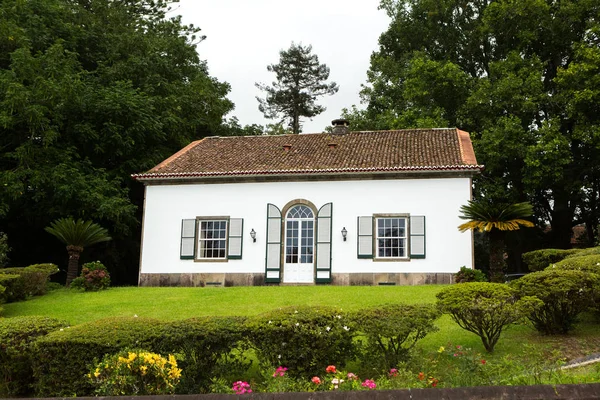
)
(434, 382)
(483, 361)
(421, 376)
(316, 380)
(331, 369)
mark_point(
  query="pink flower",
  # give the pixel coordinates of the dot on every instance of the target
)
(393, 372)
(240, 387)
(316, 380)
(331, 369)
(351, 376)
(368, 383)
(280, 371)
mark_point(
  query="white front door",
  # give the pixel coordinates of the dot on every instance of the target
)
(298, 266)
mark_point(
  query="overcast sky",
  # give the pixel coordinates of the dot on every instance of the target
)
(244, 36)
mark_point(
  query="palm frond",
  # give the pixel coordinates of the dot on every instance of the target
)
(486, 216)
(78, 233)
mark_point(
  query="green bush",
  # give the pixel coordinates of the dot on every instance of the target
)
(469, 275)
(539, 259)
(4, 249)
(16, 336)
(61, 359)
(304, 339)
(202, 344)
(392, 330)
(135, 373)
(35, 278)
(94, 276)
(15, 288)
(588, 263)
(205, 347)
(565, 293)
(585, 252)
(485, 309)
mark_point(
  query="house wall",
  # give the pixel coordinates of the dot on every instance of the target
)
(437, 199)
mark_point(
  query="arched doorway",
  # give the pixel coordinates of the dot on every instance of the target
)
(299, 245)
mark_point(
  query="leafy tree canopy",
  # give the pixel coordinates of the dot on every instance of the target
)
(90, 92)
(300, 79)
(523, 76)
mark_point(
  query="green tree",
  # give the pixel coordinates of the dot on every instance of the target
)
(77, 235)
(520, 75)
(300, 79)
(92, 91)
(486, 309)
(495, 219)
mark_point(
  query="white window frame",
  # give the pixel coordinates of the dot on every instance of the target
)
(405, 238)
(199, 239)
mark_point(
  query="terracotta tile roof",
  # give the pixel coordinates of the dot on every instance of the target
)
(381, 151)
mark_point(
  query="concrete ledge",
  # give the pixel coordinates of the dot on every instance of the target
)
(545, 392)
(258, 279)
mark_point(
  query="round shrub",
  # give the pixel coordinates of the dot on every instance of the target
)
(94, 276)
(135, 372)
(469, 275)
(539, 259)
(16, 336)
(485, 309)
(565, 293)
(588, 263)
(14, 286)
(33, 278)
(304, 339)
(585, 252)
(392, 330)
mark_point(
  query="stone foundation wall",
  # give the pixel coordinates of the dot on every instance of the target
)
(258, 279)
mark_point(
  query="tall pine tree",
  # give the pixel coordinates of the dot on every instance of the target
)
(300, 80)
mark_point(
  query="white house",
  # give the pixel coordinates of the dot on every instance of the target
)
(342, 208)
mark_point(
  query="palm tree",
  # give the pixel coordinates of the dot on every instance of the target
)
(495, 219)
(77, 235)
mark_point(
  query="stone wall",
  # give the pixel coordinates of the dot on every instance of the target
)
(256, 279)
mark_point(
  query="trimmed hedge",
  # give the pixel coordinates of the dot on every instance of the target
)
(14, 286)
(62, 359)
(16, 336)
(585, 252)
(304, 339)
(469, 275)
(589, 263)
(392, 330)
(540, 259)
(565, 293)
(32, 280)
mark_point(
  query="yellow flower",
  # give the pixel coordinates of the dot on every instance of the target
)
(441, 350)
(97, 373)
(143, 368)
(132, 356)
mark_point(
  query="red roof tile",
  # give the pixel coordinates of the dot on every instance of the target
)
(385, 151)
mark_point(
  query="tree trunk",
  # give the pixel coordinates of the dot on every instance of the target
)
(73, 266)
(496, 256)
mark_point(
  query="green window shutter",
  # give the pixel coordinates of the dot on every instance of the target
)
(188, 239)
(324, 244)
(365, 237)
(234, 247)
(273, 258)
(417, 236)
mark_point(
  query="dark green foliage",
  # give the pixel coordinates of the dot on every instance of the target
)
(392, 330)
(585, 252)
(203, 345)
(91, 92)
(61, 359)
(538, 260)
(304, 339)
(485, 309)
(469, 275)
(4, 249)
(204, 348)
(300, 79)
(78, 232)
(34, 278)
(565, 293)
(94, 277)
(16, 336)
(14, 288)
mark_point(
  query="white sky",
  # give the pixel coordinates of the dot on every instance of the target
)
(244, 36)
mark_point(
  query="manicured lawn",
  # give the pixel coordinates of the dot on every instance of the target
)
(181, 303)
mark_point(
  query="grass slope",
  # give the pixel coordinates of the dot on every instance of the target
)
(180, 303)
